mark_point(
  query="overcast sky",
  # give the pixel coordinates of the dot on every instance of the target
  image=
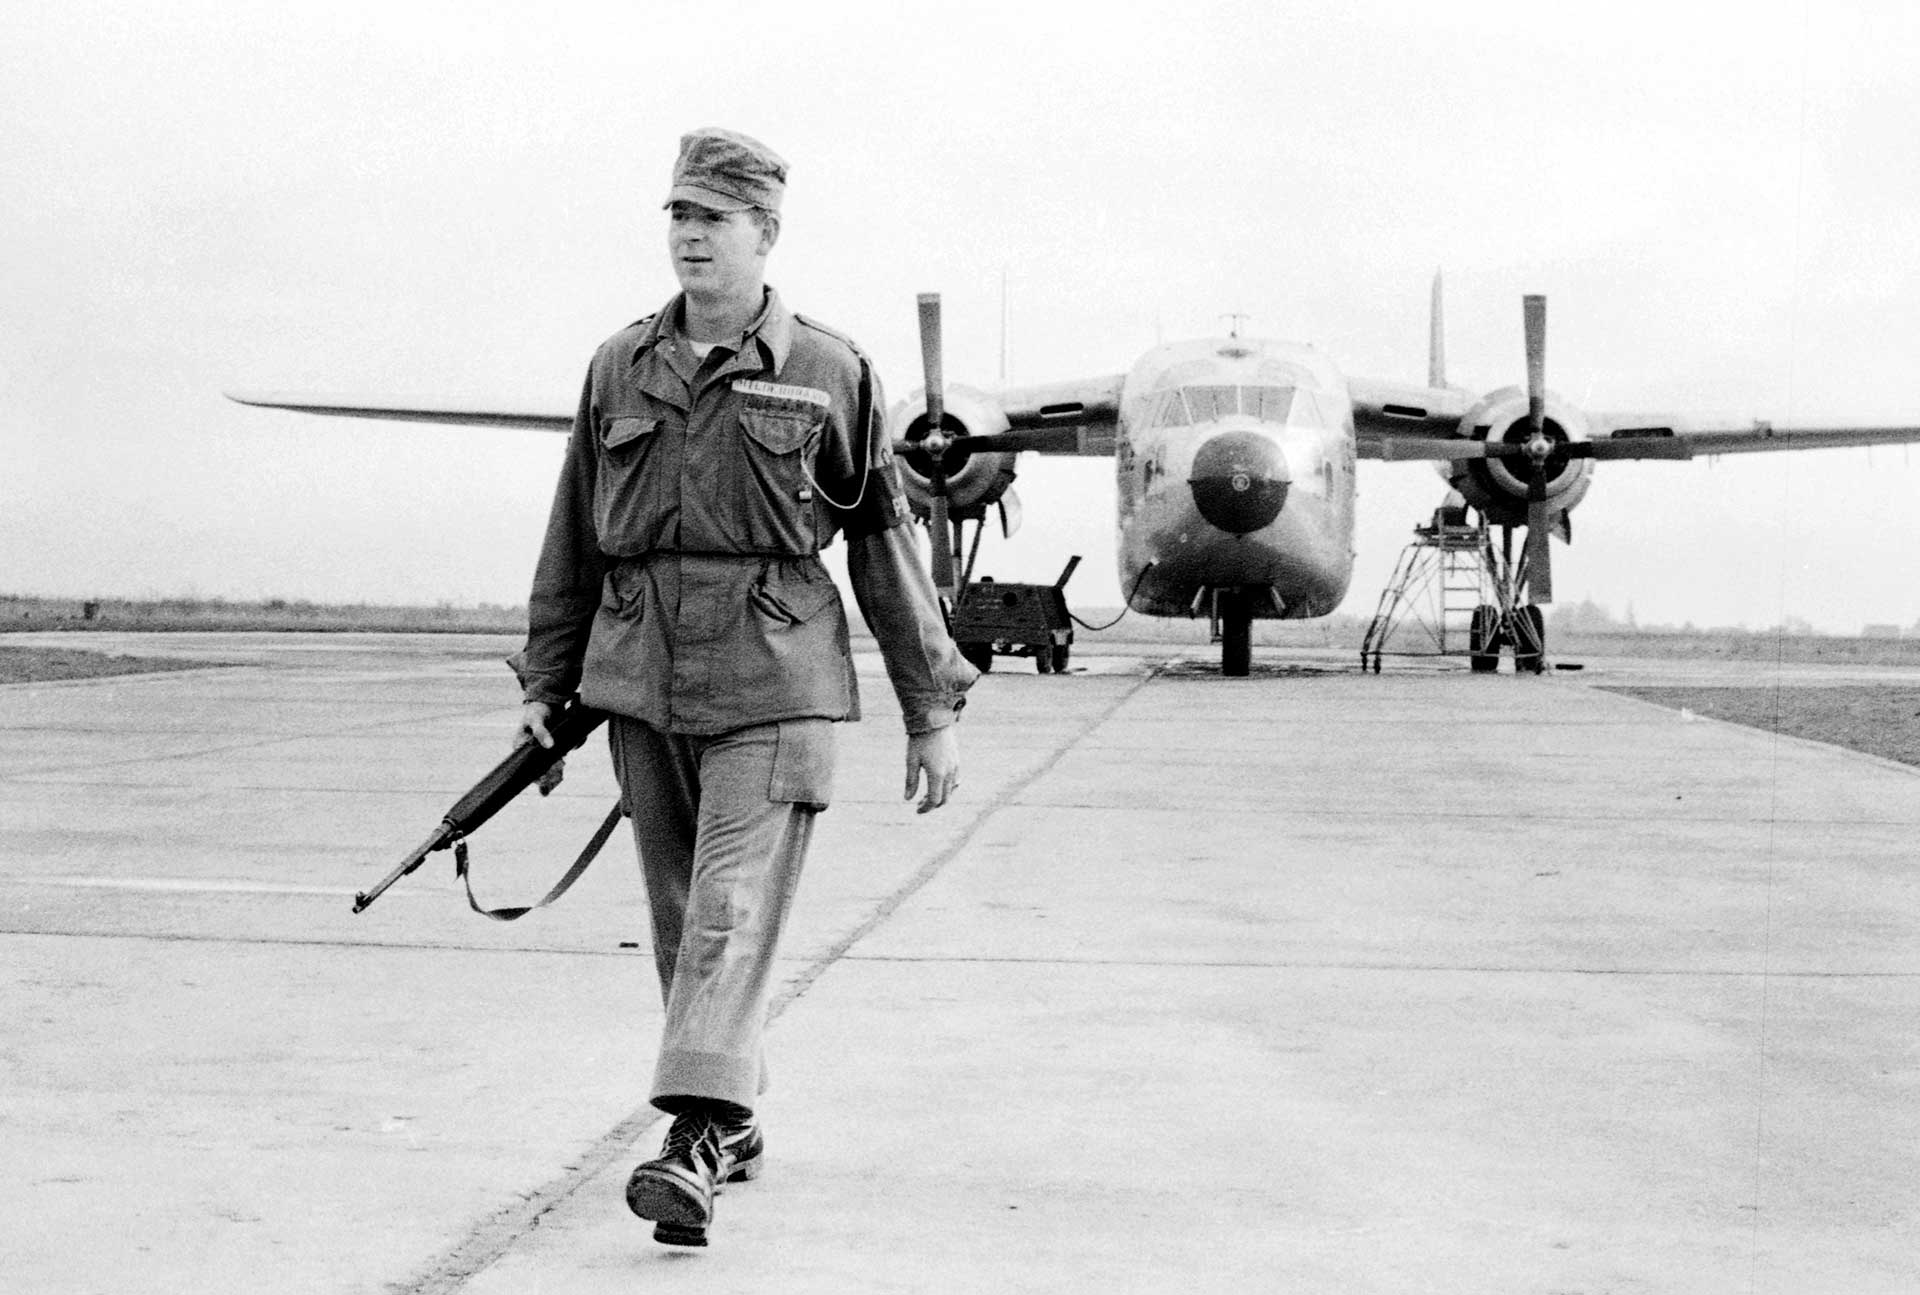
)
(1721, 201)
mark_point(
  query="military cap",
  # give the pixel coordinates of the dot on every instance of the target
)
(724, 170)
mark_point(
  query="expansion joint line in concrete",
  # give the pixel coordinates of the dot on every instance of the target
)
(494, 1235)
(886, 908)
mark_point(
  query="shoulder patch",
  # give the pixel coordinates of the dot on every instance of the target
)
(783, 391)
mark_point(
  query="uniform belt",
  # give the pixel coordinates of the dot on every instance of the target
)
(740, 555)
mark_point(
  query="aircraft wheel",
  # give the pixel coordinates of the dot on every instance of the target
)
(1483, 639)
(1060, 653)
(978, 655)
(1529, 640)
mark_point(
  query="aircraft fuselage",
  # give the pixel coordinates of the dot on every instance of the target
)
(1235, 467)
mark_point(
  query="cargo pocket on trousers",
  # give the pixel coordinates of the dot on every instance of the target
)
(803, 764)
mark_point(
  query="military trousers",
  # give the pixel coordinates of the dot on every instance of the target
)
(722, 823)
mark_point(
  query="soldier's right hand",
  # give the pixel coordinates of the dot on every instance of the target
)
(533, 724)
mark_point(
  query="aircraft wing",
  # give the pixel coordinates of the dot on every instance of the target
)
(1089, 408)
(1391, 416)
(1702, 436)
(1405, 421)
(409, 411)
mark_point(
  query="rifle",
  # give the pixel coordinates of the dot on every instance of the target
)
(525, 766)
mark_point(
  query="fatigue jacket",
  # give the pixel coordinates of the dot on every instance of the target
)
(680, 582)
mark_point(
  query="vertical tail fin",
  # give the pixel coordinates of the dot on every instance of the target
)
(1436, 340)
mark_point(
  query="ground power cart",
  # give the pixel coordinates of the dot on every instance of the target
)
(997, 619)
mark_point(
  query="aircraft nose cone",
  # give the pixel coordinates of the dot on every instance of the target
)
(1239, 482)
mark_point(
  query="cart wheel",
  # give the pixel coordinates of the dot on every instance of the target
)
(978, 655)
(1043, 659)
(1060, 653)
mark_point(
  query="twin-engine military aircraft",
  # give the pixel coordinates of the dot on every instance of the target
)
(1234, 459)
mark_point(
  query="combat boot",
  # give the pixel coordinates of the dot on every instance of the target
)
(676, 1188)
(743, 1148)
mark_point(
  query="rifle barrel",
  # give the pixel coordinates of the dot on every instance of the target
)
(441, 838)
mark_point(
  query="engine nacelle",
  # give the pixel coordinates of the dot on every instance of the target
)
(975, 482)
(1498, 486)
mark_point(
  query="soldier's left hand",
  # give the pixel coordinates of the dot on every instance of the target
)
(938, 753)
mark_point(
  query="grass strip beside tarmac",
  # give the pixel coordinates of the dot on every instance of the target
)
(1879, 719)
(47, 665)
(20, 612)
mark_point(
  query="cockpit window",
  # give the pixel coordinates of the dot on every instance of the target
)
(1167, 409)
(1209, 402)
(1268, 404)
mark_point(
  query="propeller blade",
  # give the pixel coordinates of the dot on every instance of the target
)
(1534, 316)
(1446, 447)
(930, 360)
(1057, 439)
(1539, 552)
(939, 523)
(1062, 439)
(1010, 513)
(940, 528)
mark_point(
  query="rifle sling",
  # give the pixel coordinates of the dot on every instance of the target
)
(560, 887)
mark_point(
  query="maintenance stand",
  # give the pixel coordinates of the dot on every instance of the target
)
(1452, 593)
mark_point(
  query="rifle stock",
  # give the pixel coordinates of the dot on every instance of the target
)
(513, 775)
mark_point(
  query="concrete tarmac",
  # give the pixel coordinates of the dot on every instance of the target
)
(1312, 981)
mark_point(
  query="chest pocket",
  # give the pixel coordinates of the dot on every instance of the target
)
(778, 447)
(782, 431)
(625, 431)
(629, 496)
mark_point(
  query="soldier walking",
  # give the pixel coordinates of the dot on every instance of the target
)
(719, 446)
